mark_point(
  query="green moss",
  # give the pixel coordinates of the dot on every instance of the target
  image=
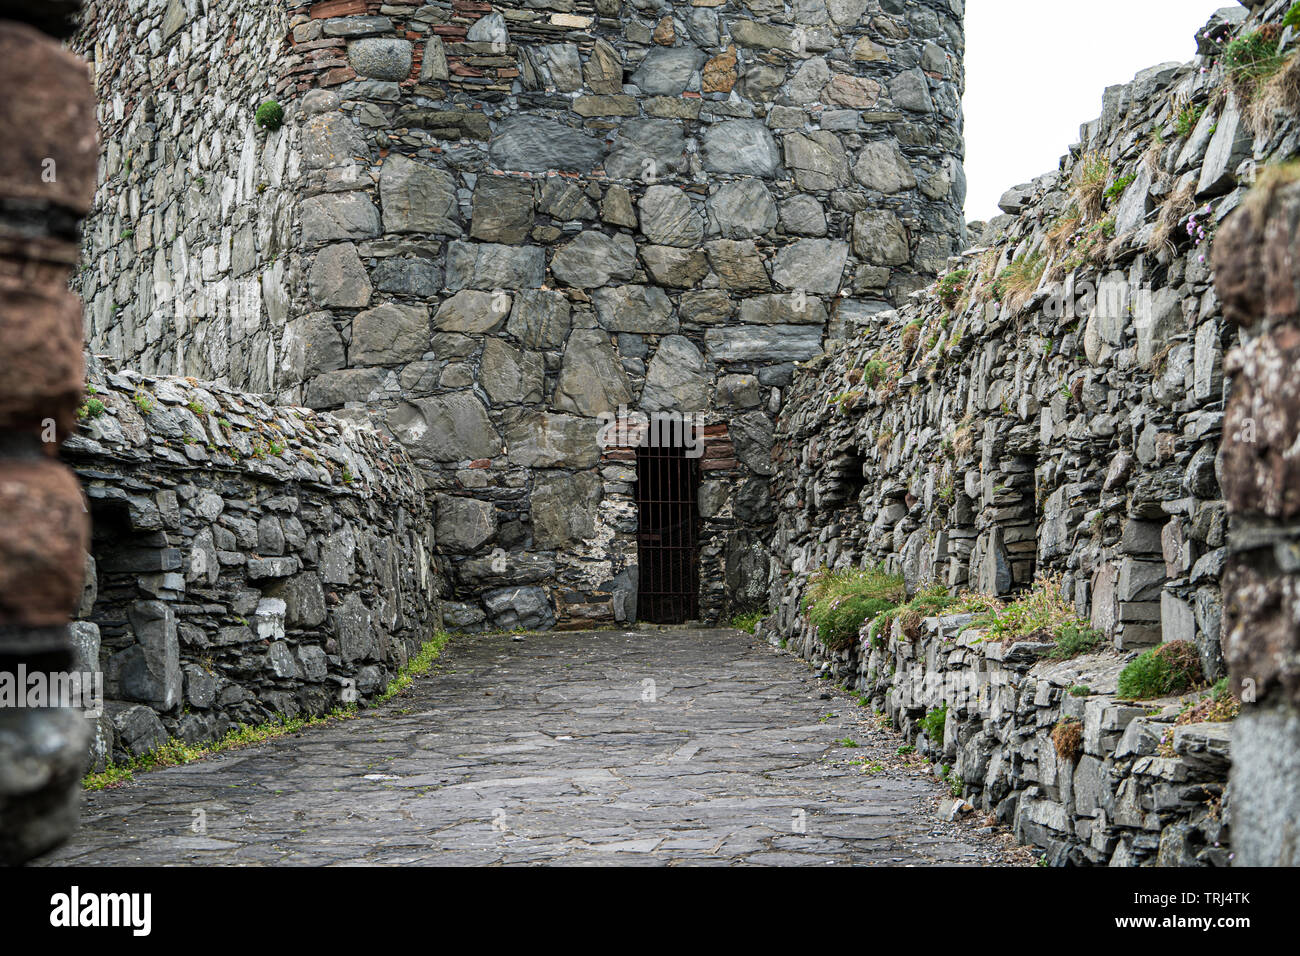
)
(270, 115)
(874, 372)
(1118, 188)
(1074, 638)
(1172, 668)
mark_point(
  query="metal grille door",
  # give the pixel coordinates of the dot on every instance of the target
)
(667, 485)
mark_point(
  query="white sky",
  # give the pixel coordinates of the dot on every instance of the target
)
(1036, 70)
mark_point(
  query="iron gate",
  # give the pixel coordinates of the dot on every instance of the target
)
(667, 488)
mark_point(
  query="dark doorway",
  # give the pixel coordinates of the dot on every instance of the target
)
(667, 486)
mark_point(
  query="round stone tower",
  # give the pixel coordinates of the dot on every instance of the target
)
(514, 234)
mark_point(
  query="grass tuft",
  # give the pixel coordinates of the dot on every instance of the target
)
(838, 603)
(176, 752)
(1172, 668)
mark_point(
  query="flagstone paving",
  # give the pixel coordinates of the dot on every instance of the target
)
(643, 747)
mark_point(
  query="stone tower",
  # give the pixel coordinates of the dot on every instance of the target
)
(509, 232)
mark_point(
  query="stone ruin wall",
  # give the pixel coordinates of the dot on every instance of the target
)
(249, 562)
(485, 225)
(1010, 440)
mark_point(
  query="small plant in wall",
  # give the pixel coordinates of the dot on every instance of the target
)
(270, 116)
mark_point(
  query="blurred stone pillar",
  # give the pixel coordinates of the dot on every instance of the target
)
(48, 157)
(1257, 271)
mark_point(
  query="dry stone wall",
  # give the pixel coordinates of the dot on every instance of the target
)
(1056, 407)
(249, 561)
(487, 225)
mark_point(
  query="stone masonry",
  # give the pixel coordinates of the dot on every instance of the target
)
(983, 436)
(485, 226)
(249, 562)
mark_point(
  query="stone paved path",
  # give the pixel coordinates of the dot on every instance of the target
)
(543, 750)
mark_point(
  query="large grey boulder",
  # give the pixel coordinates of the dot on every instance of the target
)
(742, 209)
(817, 160)
(510, 376)
(635, 308)
(488, 265)
(592, 380)
(677, 379)
(381, 58)
(338, 279)
(540, 318)
(451, 427)
(503, 209)
(668, 218)
(418, 198)
(593, 259)
(463, 525)
(763, 343)
(564, 508)
(882, 166)
(879, 238)
(813, 265)
(534, 144)
(668, 71)
(334, 216)
(390, 334)
(741, 147)
(472, 311)
(515, 607)
(539, 439)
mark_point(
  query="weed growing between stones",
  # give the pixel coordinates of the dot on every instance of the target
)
(1067, 738)
(1275, 96)
(1016, 284)
(1088, 187)
(838, 603)
(1043, 614)
(1172, 668)
(176, 752)
(932, 724)
(952, 288)
(417, 666)
(1251, 59)
(747, 622)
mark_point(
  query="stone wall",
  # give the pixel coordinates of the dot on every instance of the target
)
(486, 225)
(991, 432)
(188, 264)
(47, 162)
(249, 561)
(1136, 788)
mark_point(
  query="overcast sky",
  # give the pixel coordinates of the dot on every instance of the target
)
(1036, 69)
